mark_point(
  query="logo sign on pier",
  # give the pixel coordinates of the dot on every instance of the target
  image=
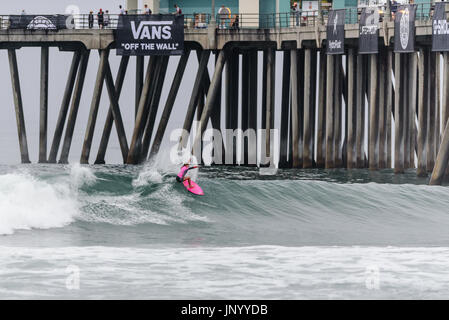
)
(143, 35)
(336, 32)
(369, 31)
(404, 29)
(440, 28)
(39, 22)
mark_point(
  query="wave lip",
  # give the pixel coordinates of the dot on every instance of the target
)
(27, 203)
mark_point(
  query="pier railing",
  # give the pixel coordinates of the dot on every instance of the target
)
(302, 18)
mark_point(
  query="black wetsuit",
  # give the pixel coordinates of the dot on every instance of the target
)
(184, 174)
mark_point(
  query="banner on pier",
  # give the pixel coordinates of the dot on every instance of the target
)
(440, 28)
(336, 32)
(40, 22)
(369, 31)
(404, 29)
(144, 35)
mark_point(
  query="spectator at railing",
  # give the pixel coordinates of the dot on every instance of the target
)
(235, 22)
(296, 11)
(147, 10)
(393, 8)
(122, 11)
(178, 9)
(90, 20)
(107, 19)
(222, 15)
(100, 18)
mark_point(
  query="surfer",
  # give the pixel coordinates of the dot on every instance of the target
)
(181, 177)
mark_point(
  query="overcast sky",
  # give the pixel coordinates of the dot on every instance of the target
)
(29, 68)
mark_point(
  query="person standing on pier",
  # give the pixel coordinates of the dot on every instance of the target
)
(235, 22)
(295, 10)
(107, 18)
(178, 9)
(147, 10)
(91, 20)
(100, 17)
(122, 11)
(222, 14)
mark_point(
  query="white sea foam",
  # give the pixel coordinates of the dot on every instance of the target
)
(80, 176)
(257, 272)
(26, 203)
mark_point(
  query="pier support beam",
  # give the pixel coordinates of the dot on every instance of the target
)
(110, 117)
(133, 154)
(445, 101)
(211, 96)
(309, 108)
(154, 106)
(64, 159)
(169, 104)
(442, 159)
(423, 77)
(17, 95)
(92, 120)
(271, 75)
(321, 143)
(252, 111)
(389, 102)
(330, 112)
(205, 55)
(232, 103)
(43, 122)
(115, 109)
(140, 62)
(285, 109)
(295, 111)
(413, 66)
(352, 123)
(399, 115)
(431, 136)
(338, 97)
(64, 107)
(360, 112)
(374, 116)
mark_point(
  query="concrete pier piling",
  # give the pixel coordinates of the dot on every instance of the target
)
(351, 116)
(330, 118)
(382, 84)
(43, 121)
(321, 112)
(64, 107)
(92, 119)
(73, 113)
(17, 94)
(294, 108)
(399, 114)
(360, 112)
(169, 104)
(285, 111)
(373, 152)
(110, 117)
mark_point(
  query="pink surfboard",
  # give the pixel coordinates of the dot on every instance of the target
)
(196, 189)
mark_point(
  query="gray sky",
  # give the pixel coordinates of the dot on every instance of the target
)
(29, 68)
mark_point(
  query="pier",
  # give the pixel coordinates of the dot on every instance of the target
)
(350, 110)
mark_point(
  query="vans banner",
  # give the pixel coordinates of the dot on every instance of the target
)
(369, 31)
(143, 35)
(40, 22)
(336, 32)
(440, 28)
(404, 29)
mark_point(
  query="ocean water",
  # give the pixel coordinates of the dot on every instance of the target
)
(133, 232)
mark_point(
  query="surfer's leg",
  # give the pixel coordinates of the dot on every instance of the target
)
(190, 181)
